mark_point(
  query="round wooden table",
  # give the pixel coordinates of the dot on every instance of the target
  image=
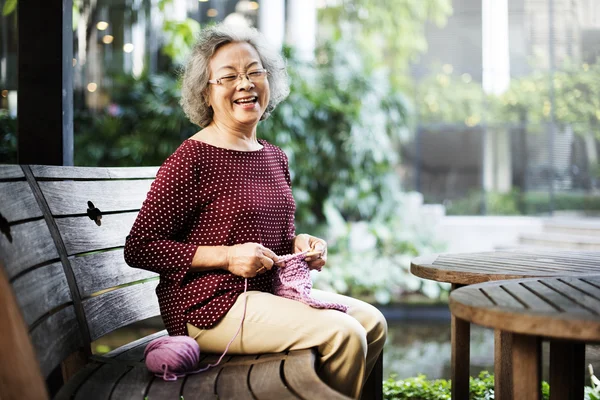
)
(564, 310)
(472, 268)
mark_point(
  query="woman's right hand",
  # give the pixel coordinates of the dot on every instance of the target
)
(250, 259)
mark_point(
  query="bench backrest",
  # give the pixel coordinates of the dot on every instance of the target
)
(67, 272)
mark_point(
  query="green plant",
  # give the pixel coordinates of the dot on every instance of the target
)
(592, 392)
(142, 125)
(420, 388)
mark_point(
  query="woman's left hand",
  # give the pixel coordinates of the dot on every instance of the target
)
(317, 250)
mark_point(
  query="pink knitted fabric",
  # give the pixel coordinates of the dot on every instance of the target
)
(294, 282)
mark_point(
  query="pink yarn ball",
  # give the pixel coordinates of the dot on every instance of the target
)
(170, 357)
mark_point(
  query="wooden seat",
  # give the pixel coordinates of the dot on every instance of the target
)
(66, 268)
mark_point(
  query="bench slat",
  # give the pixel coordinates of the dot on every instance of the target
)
(71, 197)
(66, 392)
(41, 291)
(120, 307)
(99, 271)
(233, 382)
(300, 375)
(133, 385)
(55, 338)
(204, 383)
(31, 245)
(124, 352)
(81, 234)
(161, 389)
(62, 172)
(262, 382)
(17, 201)
(100, 384)
(11, 172)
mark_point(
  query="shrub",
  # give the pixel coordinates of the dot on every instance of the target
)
(420, 388)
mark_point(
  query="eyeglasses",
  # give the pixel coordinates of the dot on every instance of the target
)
(254, 76)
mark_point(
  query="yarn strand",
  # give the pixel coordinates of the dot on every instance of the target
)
(173, 357)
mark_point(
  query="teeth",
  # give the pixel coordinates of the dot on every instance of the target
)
(250, 100)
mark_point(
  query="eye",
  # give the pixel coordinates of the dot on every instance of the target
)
(256, 74)
(228, 78)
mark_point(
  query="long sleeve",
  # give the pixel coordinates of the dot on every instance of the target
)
(170, 208)
(209, 196)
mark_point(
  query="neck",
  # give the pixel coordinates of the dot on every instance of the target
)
(236, 137)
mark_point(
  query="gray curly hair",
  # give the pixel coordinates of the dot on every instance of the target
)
(194, 88)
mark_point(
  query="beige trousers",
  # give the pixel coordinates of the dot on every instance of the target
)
(348, 344)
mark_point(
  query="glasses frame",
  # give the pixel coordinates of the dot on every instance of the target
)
(239, 76)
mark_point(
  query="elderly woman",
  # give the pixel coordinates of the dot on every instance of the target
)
(221, 213)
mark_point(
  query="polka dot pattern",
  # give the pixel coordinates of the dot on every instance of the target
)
(209, 196)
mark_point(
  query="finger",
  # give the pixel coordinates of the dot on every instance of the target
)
(316, 264)
(313, 255)
(262, 269)
(270, 254)
(319, 245)
(266, 262)
(301, 243)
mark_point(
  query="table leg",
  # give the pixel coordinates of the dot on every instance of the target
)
(567, 370)
(460, 337)
(503, 364)
(526, 367)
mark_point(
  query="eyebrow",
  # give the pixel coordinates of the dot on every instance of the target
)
(230, 67)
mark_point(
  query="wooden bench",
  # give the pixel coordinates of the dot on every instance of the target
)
(65, 266)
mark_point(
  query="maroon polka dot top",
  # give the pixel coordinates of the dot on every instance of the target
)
(209, 196)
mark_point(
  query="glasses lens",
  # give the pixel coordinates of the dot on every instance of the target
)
(256, 75)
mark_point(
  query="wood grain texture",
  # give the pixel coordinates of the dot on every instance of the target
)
(11, 171)
(233, 380)
(567, 370)
(561, 318)
(17, 202)
(63, 172)
(460, 334)
(81, 234)
(133, 384)
(265, 382)
(124, 351)
(100, 384)
(41, 291)
(56, 338)
(20, 376)
(503, 386)
(99, 271)
(68, 390)
(300, 375)
(472, 268)
(71, 197)
(161, 389)
(31, 245)
(203, 384)
(120, 307)
(527, 365)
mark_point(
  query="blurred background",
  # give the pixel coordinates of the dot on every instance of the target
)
(413, 127)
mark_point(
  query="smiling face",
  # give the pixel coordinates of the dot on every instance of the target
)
(241, 102)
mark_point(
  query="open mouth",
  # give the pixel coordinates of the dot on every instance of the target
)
(246, 100)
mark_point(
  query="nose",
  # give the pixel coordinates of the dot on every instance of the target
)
(245, 82)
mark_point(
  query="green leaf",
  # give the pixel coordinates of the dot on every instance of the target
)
(9, 7)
